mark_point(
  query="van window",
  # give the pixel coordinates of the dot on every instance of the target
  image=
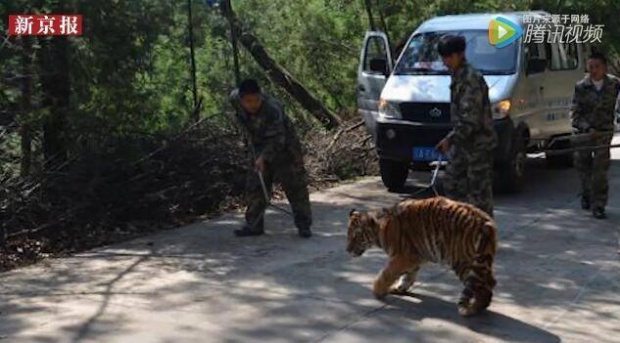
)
(548, 55)
(375, 49)
(533, 51)
(564, 56)
(537, 53)
(421, 57)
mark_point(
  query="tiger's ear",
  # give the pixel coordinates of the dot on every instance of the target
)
(353, 212)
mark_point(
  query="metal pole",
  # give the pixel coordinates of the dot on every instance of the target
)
(584, 148)
(190, 23)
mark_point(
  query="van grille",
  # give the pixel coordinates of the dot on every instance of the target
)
(426, 112)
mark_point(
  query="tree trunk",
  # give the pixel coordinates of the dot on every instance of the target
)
(55, 84)
(385, 29)
(371, 20)
(278, 74)
(26, 90)
(190, 27)
(235, 48)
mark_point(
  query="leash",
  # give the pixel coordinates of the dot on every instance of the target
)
(431, 185)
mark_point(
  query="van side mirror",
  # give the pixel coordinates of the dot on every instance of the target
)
(379, 65)
(535, 66)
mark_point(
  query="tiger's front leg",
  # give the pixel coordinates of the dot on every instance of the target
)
(406, 281)
(396, 267)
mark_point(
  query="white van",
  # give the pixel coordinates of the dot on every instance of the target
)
(405, 103)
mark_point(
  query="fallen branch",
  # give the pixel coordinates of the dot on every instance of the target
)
(365, 140)
(342, 131)
(68, 214)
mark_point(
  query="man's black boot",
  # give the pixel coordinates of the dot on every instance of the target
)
(305, 232)
(246, 231)
(599, 213)
(585, 203)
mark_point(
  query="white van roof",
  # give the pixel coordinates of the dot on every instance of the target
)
(475, 21)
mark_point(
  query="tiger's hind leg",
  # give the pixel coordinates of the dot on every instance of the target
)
(463, 271)
(477, 274)
(479, 282)
(483, 294)
(406, 281)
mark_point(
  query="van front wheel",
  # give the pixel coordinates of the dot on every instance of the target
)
(393, 174)
(560, 161)
(510, 174)
(563, 161)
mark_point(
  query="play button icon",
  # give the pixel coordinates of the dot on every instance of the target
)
(503, 32)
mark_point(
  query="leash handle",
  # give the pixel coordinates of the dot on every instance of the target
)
(436, 171)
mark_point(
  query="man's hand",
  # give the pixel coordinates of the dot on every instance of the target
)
(593, 133)
(443, 146)
(259, 164)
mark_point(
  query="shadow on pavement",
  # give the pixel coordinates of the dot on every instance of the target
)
(202, 280)
(488, 323)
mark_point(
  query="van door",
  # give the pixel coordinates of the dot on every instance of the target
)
(375, 66)
(535, 71)
(564, 70)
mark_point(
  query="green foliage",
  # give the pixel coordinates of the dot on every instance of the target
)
(130, 72)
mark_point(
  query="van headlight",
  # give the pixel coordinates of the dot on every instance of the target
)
(501, 109)
(388, 110)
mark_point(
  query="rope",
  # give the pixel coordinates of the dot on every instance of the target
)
(431, 185)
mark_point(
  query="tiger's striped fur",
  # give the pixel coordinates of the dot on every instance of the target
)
(437, 230)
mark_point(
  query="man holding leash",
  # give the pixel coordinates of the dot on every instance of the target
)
(469, 174)
(278, 156)
(592, 114)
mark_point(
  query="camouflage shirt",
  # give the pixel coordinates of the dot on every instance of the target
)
(271, 132)
(470, 110)
(594, 109)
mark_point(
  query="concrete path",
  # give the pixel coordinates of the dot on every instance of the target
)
(558, 277)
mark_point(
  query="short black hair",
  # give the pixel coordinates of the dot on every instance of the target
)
(598, 56)
(450, 44)
(249, 86)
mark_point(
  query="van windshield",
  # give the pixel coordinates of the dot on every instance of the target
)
(421, 58)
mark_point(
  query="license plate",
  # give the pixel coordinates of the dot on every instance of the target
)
(426, 154)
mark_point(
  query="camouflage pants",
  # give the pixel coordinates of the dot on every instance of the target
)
(592, 166)
(291, 174)
(469, 178)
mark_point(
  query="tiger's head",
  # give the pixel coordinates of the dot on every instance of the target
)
(361, 232)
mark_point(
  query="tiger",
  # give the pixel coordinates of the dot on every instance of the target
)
(436, 230)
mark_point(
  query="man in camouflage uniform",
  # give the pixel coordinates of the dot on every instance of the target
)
(470, 144)
(277, 153)
(592, 113)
